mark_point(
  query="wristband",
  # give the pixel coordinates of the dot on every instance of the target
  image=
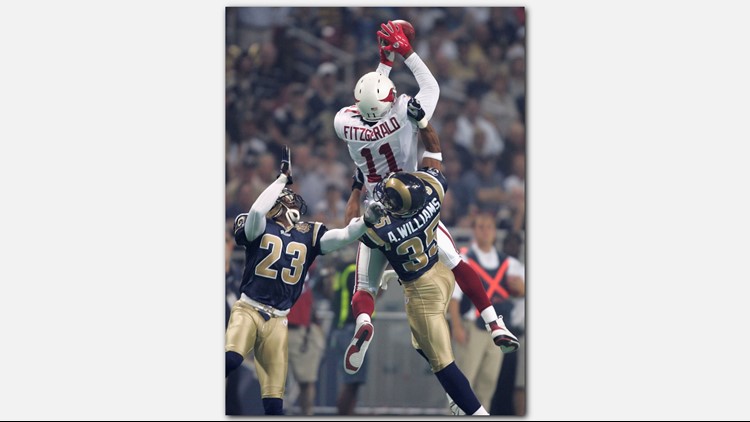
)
(434, 155)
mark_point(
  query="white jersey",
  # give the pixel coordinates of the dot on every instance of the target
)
(387, 146)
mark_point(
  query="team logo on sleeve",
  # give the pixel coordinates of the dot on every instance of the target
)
(428, 189)
(302, 227)
(239, 222)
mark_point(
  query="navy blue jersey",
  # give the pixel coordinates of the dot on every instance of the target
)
(410, 244)
(276, 262)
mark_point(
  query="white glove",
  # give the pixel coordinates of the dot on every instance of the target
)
(388, 276)
(374, 211)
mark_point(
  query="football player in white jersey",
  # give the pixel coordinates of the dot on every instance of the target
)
(380, 130)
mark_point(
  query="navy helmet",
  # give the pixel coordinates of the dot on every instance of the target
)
(402, 194)
(290, 200)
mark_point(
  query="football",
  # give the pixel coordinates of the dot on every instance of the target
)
(408, 29)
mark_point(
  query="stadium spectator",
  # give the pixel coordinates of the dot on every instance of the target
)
(517, 57)
(510, 393)
(516, 143)
(512, 246)
(327, 98)
(309, 174)
(306, 345)
(515, 185)
(331, 210)
(257, 23)
(239, 190)
(339, 290)
(499, 106)
(475, 354)
(242, 388)
(482, 186)
(294, 121)
(476, 133)
(334, 171)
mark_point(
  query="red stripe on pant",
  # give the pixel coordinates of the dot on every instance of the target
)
(356, 271)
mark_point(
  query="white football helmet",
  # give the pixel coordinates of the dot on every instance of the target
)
(374, 94)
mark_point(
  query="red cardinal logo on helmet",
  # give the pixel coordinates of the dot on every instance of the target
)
(391, 97)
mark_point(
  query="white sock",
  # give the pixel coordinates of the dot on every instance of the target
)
(489, 314)
(362, 318)
(480, 412)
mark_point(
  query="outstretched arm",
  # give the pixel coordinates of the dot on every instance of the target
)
(337, 238)
(429, 91)
(256, 217)
(386, 62)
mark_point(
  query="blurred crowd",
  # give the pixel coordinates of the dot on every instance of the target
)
(290, 69)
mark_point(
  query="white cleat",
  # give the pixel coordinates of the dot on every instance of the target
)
(502, 336)
(355, 353)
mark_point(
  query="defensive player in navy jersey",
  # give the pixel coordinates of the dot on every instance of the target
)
(279, 248)
(407, 237)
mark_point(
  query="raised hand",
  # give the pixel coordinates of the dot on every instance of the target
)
(394, 37)
(415, 111)
(286, 164)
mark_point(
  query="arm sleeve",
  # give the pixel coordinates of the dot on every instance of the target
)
(337, 238)
(256, 218)
(516, 268)
(429, 90)
(384, 69)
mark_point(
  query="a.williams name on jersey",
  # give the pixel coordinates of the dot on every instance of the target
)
(416, 223)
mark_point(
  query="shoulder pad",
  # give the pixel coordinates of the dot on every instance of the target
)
(431, 171)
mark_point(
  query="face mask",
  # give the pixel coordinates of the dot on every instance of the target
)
(292, 215)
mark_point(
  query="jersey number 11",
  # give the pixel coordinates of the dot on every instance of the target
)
(386, 150)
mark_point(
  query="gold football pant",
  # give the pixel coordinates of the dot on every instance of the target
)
(426, 303)
(248, 331)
